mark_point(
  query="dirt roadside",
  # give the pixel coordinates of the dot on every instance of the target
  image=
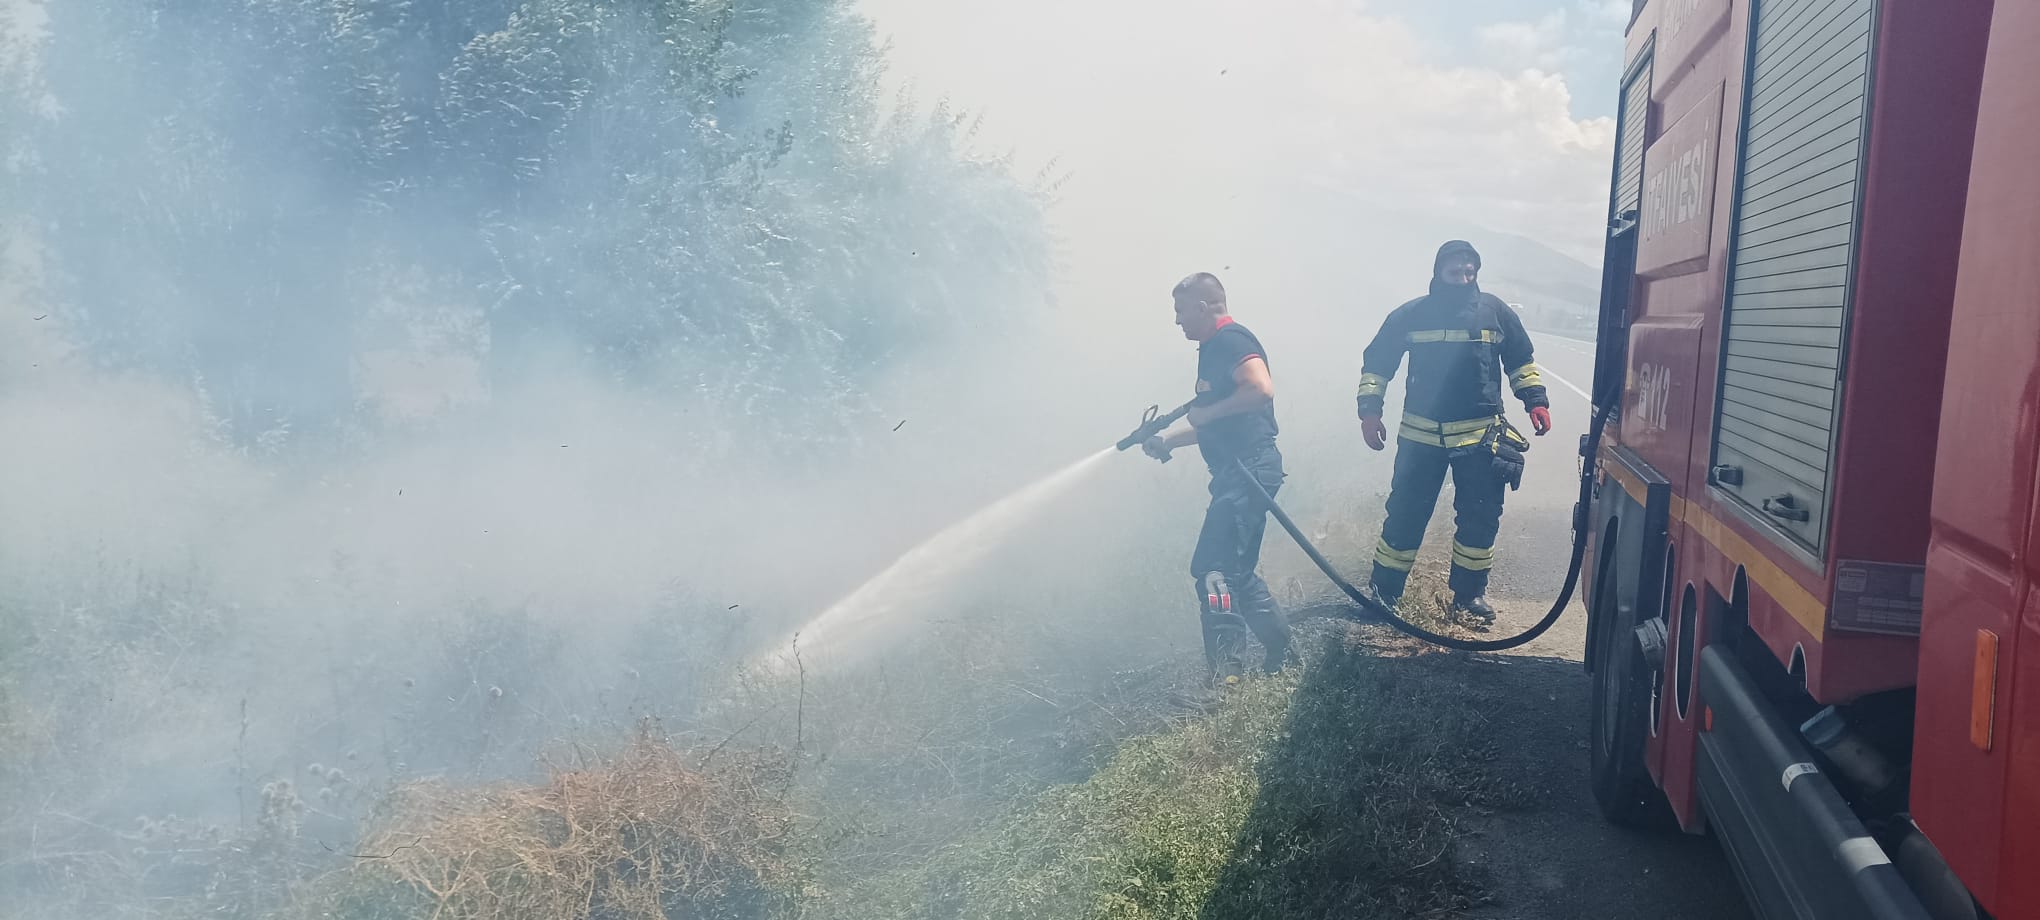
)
(1555, 857)
(1549, 855)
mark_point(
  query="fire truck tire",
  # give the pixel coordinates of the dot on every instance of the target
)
(1619, 724)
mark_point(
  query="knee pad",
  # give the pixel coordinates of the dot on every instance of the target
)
(1215, 593)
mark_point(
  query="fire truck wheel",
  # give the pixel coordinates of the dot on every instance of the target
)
(1620, 724)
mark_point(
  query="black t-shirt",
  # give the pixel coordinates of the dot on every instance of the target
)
(1242, 434)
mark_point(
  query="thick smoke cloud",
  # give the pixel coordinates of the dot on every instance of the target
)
(411, 385)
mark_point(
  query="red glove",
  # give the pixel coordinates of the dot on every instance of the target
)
(1374, 431)
(1540, 420)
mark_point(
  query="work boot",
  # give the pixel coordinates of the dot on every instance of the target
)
(1388, 584)
(1225, 641)
(1382, 595)
(1477, 610)
(1273, 633)
(1264, 616)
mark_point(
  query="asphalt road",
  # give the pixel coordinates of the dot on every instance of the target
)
(1536, 538)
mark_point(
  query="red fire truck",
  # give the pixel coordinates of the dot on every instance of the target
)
(1814, 577)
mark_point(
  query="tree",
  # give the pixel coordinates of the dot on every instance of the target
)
(708, 197)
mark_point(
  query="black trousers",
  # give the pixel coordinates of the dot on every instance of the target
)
(1477, 502)
(1230, 544)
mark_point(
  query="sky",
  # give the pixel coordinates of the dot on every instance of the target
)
(1580, 40)
(1496, 112)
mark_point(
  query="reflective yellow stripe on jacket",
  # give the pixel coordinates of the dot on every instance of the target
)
(1421, 336)
(1372, 385)
(1444, 434)
(1524, 377)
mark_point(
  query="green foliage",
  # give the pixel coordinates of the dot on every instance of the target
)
(700, 197)
(706, 202)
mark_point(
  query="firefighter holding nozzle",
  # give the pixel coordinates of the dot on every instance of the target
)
(1460, 342)
(1232, 422)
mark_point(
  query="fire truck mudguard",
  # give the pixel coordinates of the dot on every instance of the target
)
(1632, 503)
(1754, 769)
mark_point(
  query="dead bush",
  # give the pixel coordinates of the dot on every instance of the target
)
(651, 833)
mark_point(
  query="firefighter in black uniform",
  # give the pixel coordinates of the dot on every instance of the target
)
(1232, 422)
(1460, 342)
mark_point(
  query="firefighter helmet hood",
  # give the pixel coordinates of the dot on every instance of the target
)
(1452, 248)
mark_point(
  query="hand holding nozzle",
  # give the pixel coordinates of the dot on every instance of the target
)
(1149, 434)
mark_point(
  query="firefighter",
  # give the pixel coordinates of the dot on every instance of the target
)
(1461, 341)
(1232, 422)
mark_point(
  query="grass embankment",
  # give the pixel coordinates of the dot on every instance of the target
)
(1336, 791)
(1330, 793)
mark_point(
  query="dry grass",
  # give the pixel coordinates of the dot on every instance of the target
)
(648, 834)
(1336, 791)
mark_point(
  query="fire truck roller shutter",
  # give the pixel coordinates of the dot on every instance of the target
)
(1805, 115)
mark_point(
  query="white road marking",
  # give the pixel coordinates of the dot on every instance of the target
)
(1585, 345)
(1548, 372)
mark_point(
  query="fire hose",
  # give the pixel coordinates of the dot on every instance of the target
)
(1152, 423)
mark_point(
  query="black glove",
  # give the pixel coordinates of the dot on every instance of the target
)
(1509, 466)
(1504, 447)
(1508, 446)
(1156, 447)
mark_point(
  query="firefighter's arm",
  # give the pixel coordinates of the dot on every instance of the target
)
(1378, 366)
(1519, 362)
(1252, 389)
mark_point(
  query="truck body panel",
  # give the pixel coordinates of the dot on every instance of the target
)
(1976, 760)
(1797, 177)
(1686, 350)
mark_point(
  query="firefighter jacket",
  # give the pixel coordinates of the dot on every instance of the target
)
(1461, 342)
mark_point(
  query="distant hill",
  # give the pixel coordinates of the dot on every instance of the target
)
(1522, 269)
(1383, 257)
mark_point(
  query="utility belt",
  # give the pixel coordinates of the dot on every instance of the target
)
(1491, 436)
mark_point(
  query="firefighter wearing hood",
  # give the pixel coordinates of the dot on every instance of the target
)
(1462, 343)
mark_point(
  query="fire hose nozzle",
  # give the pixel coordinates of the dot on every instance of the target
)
(1152, 423)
